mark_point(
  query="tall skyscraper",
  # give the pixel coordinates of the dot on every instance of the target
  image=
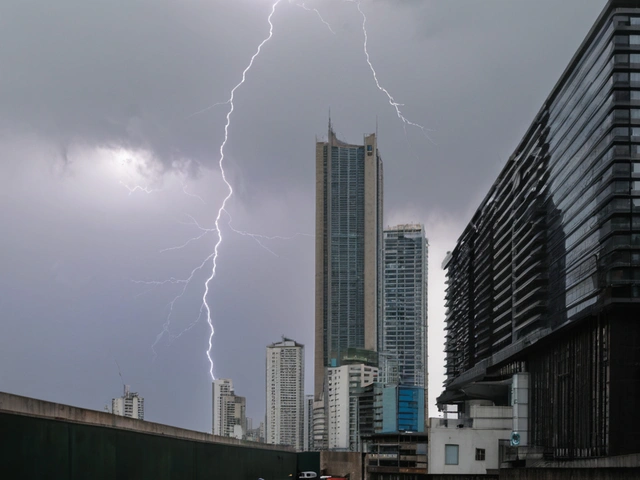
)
(348, 250)
(285, 394)
(129, 405)
(229, 410)
(543, 295)
(404, 331)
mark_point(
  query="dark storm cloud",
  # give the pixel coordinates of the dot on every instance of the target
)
(87, 86)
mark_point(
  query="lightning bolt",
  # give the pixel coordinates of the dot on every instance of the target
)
(206, 109)
(192, 239)
(259, 238)
(204, 231)
(303, 6)
(213, 257)
(392, 101)
(136, 188)
(185, 282)
(224, 178)
(189, 194)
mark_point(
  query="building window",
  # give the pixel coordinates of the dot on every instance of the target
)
(480, 454)
(451, 454)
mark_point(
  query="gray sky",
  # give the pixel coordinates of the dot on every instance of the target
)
(97, 98)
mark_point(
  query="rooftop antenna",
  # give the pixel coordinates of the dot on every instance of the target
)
(330, 130)
(376, 127)
(120, 373)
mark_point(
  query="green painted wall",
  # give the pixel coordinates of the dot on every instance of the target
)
(309, 462)
(37, 448)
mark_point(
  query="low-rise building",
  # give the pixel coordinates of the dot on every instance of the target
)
(470, 444)
(398, 456)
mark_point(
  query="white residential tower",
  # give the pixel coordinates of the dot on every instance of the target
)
(129, 405)
(285, 394)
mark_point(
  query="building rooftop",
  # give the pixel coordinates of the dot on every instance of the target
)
(286, 342)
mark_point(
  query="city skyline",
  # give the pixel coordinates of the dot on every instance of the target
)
(87, 116)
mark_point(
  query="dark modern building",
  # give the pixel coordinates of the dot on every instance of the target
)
(348, 250)
(545, 279)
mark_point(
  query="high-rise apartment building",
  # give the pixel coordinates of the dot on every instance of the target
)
(544, 282)
(285, 394)
(344, 386)
(404, 330)
(220, 387)
(234, 417)
(129, 405)
(229, 410)
(255, 434)
(348, 250)
(308, 423)
(319, 424)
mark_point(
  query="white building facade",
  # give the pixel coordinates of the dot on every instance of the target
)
(342, 404)
(234, 420)
(129, 405)
(221, 387)
(229, 410)
(285, 422)
(469, 445)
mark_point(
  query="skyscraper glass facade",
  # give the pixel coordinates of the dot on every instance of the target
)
(348, 250)
(345, 317)
(403, 409)
(404, 332)
(545, 279)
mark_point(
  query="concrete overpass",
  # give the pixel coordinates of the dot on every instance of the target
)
(46, 440)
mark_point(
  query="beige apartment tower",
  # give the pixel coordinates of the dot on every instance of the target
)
(348, 251)
(285, 418)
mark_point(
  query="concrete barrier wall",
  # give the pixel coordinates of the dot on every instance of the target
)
(342, 464)
(570, 474)
(82, 444)
(617, 461)
(41, 408)
(443, 476)
(38, 448)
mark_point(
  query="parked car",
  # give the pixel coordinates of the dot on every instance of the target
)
(307, 475)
